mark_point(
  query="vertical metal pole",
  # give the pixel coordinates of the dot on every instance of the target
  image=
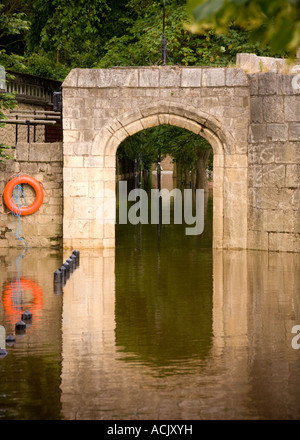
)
(28, 131)
(17, 117)
(164, 40)
(140, 167)
(158, 169)
(159, 196)
(34, 128)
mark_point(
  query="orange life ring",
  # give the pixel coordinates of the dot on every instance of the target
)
(16, 287)
(25, 210)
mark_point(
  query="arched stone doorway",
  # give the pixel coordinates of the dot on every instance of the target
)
(99, 116)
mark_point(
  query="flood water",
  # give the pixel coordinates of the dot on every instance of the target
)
(161, 328)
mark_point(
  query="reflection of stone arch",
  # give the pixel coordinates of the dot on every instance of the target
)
(230, 172)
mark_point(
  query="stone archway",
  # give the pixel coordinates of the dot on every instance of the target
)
(99, 116)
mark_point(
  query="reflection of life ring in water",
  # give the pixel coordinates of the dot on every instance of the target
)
(13, 297)
(25, 210)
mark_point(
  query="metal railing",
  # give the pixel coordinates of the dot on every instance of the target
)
(32, 118)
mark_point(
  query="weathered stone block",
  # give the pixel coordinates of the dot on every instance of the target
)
(39, 153)
(265, 154)
(284, 242)
(277, 132)
(76, 189)
(291, 84)
(149, 77)
(292, 108)
(170, 77)
(22, 152)
(71, 79)
(273, 175)
(287, 153)
(236, 77)
(256, 109)
(253, 84)
(273, 109)
(73, 161)
(56, 151)
(96, 189)
(294, 131)
(257, 133)
(93, 162)
(213, 77)
(255, 176)
(292, 175)
(191, 77)
(150, 121)
(134, 127)
(269, 83)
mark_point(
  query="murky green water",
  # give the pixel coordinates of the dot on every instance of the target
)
(162, 328)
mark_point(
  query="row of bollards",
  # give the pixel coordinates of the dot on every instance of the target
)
(20, 329)
(21, 325)
(62, 274)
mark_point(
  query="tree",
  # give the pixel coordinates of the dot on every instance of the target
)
(190, 152)
(69, 31)
(275, 23)
(140, 43)
(12, 25)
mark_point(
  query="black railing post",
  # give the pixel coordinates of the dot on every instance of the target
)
(28, 131)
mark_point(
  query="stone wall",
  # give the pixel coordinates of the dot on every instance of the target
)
(274, 163)
(8, 133)
(44, 227)
(251, 120)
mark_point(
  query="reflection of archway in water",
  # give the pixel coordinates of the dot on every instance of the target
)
(163, 291)
(16, 299)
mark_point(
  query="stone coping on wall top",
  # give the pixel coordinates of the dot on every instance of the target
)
(157, 76)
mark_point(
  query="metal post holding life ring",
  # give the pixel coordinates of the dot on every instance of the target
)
(25, 210)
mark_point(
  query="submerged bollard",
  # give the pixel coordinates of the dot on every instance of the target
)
(58, 288)
(26, 316)
(76, 253)
(70, 261)
(58, 276)
(10, 340)
(67, 267)
(74, 260)
(20, 327)
(3, 353)
(63, 273)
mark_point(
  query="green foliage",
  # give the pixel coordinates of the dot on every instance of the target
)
(67, 30)
(141, 44)
(41, 65)
(275, 23)
(11, 24)
(48, 38)
(7, 102)
(186, 148)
